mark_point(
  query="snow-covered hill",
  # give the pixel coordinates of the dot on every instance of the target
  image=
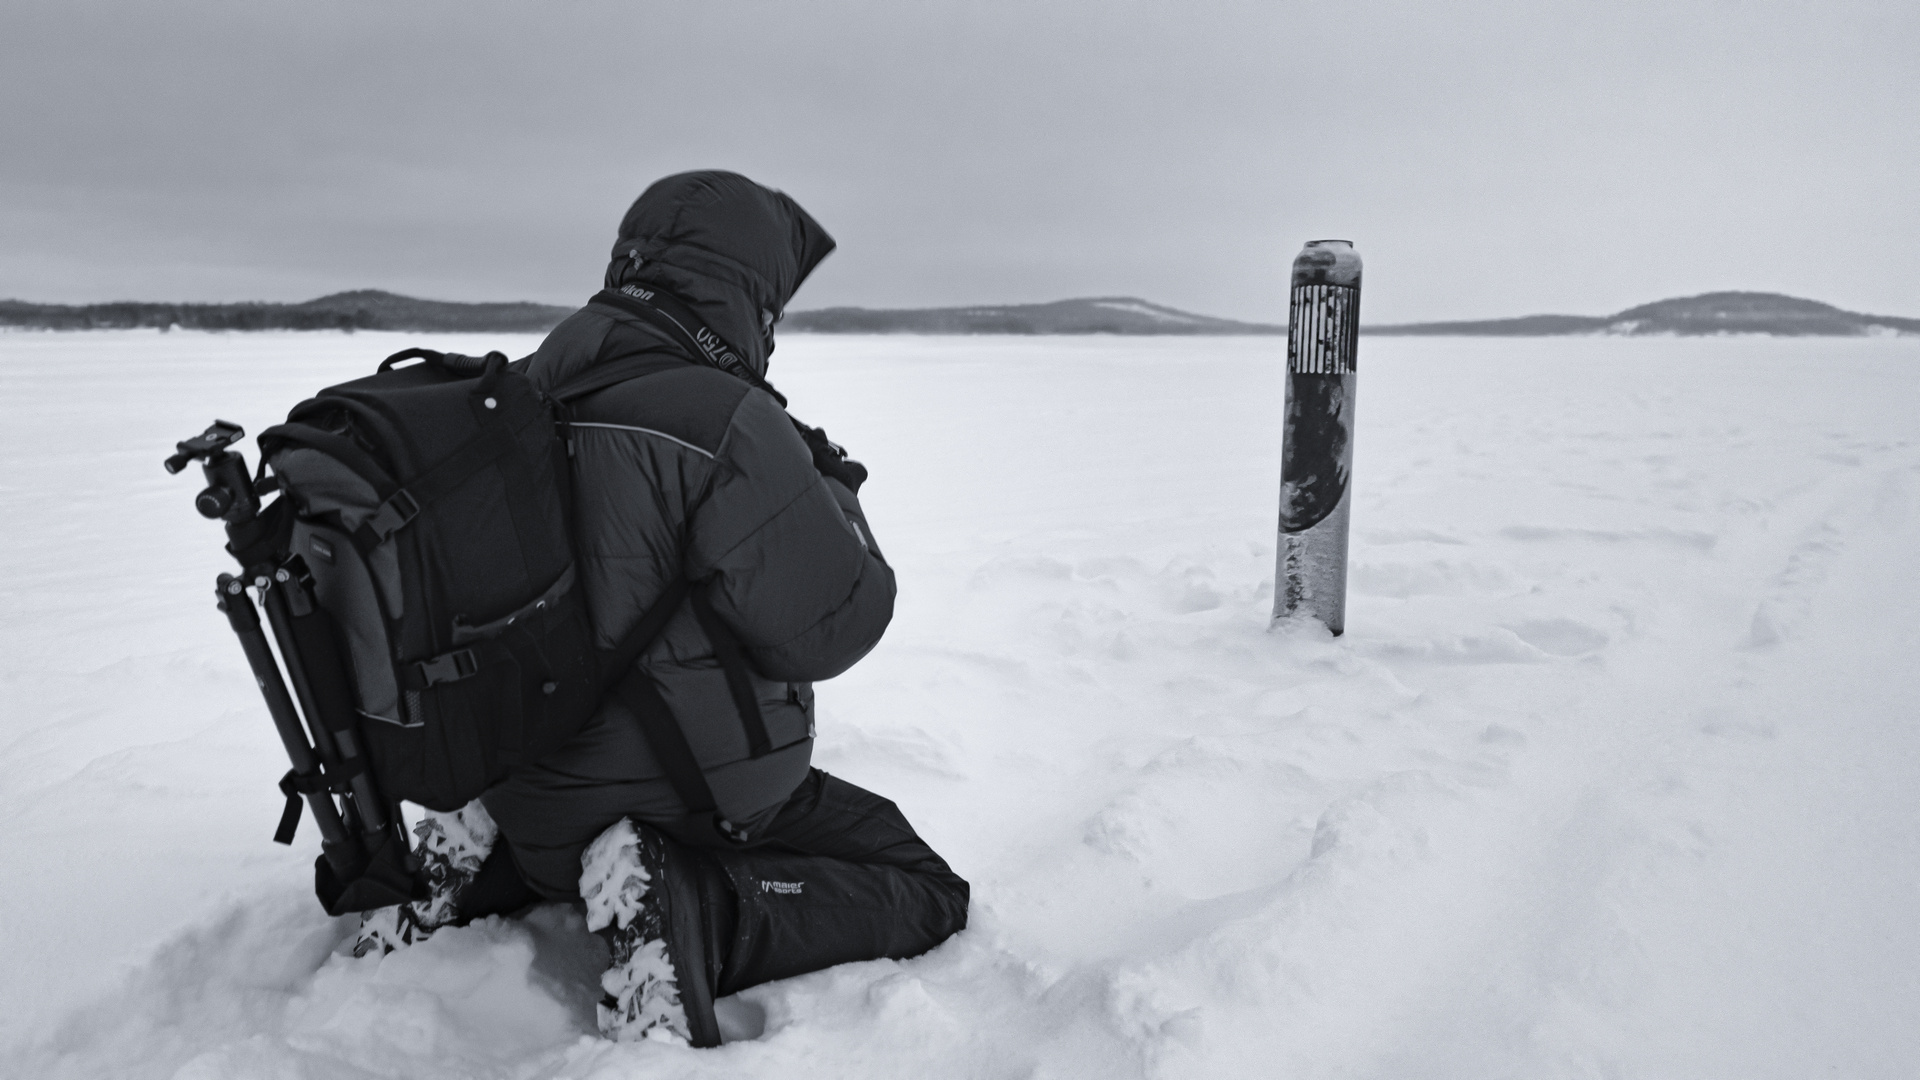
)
(1709, 314)
(1612, 774)
(1086, 315)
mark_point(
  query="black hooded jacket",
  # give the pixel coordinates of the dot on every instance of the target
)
(731, 250)
(697, 471)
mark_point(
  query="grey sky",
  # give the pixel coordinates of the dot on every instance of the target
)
(1487, 158)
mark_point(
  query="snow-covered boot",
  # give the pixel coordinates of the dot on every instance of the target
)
(383, 930)
(643, 896)
(452, 848)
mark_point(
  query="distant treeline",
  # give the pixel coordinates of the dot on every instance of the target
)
(373, 310)
(366, 309)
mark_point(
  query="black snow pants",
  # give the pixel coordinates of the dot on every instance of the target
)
(837, 876)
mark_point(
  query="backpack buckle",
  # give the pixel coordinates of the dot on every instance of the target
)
(445, 668)
(393, 515)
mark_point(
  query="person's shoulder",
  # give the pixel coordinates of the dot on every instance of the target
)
(760, 429)
(569, 348)
(692, 403)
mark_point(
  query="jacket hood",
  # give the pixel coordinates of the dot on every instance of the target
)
(731, 250)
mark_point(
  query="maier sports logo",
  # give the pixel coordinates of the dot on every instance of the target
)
(789, 887)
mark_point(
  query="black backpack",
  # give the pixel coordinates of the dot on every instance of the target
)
(418, 574)
(426, 510)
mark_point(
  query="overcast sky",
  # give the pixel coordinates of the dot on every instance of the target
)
(1488, 159)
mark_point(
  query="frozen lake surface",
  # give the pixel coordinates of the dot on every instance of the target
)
(1612, 775)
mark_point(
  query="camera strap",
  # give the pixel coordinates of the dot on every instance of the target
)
(664, 312)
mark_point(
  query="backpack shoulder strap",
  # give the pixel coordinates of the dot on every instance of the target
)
(620, 660)
(635, 690)
(603, 376)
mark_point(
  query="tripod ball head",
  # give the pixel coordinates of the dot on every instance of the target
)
(204, 446)
(229, 495)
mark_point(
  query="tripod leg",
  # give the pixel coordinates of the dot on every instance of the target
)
(341, 848)
(319, 676)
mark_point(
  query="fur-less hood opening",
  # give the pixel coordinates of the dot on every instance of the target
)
(731, 250)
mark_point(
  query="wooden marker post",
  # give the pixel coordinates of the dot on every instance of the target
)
(1316, 458)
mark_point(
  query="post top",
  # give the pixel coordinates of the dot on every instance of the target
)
(1327, 262)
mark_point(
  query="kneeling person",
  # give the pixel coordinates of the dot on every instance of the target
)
(686, 813)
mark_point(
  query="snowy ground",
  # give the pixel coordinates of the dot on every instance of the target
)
(1613, 774)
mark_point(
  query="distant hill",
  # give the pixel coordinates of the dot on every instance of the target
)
(1094, 315)
(364, 309)
(371, 309)
(1709, 313)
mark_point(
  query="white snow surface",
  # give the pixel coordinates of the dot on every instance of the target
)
(1613, 774)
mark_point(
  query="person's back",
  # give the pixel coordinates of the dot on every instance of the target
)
(688, 468)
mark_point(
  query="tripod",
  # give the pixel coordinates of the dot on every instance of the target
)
(365, 862)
